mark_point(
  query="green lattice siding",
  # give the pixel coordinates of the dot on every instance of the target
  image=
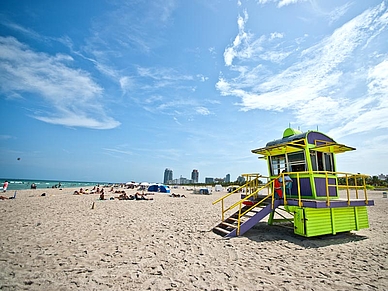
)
(319, 221)
(363, 221)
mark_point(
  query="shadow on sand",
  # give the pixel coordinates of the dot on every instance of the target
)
(263, 232)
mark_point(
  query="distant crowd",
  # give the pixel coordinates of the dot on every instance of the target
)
(123, 195)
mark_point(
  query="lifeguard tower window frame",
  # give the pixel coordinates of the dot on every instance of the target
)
(322, 161)
(292, 162)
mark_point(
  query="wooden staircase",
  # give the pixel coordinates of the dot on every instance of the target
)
(230, 227)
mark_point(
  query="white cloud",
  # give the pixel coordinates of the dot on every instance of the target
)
(239, 47)
(202, 111)
(274, 35)
(318, 87)
(378, 79)
(119, 151)
(202, 78)
(71, 96)
(339, 12)
(177, 121)
(374, 116)
(162, 74)
(288, 2)
(281, 3)
(274, 56)
(126, 84)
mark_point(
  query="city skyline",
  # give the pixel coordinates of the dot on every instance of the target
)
(168, 177)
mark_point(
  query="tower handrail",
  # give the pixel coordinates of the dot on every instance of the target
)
(349, 177)
(240, 202)
(246, 185)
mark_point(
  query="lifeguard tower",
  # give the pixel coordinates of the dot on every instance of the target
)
(320, 199)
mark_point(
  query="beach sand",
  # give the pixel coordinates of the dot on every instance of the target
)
(58, 242)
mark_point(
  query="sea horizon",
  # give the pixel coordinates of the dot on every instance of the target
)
(23, 184)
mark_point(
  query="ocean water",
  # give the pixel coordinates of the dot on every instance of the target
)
(20, 184)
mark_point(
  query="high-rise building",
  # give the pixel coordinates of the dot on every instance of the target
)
(167, 176)
(227, 178)
(240, 180)
(195, 176)
(209, 180)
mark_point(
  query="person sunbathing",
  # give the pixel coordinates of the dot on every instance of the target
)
(177, 195)
(139, 196)
(123, 196)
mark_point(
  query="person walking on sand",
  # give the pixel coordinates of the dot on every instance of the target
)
(5, 186)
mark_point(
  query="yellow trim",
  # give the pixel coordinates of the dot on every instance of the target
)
(332, 148)
(278, 149)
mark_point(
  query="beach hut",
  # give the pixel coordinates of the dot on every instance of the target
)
(313, 195)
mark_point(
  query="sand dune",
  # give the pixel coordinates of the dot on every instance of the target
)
(58, 242)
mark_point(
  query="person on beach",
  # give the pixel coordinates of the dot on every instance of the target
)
(278, 189)
(5, 186)
(288, 182)
(177, 195)
(139, 196)
(102, 195)
(123, 196)
(76, 193)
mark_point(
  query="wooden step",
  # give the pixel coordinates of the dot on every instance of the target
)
(221, 230)
(228, 224)
(250, 214)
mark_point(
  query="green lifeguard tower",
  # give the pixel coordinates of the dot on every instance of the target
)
(320, 199)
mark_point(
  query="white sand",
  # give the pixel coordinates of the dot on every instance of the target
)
(58, 242)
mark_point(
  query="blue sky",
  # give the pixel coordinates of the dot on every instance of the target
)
(120, 90)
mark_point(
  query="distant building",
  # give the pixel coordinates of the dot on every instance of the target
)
(218, 180)
(185, 181)
(382, 177)
(181, 181)
(240, 180)
(195, 176)
(209, 180)
(227, 178)
(167, 176)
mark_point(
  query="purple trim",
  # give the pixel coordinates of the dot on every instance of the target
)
(320, 187)
(305, 187)
(247, 225)
(312, 136)
(333, 203)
